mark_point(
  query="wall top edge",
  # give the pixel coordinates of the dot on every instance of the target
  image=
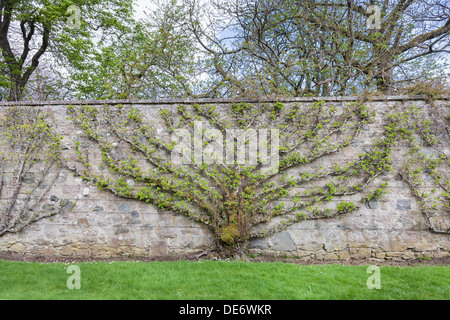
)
(218, 101)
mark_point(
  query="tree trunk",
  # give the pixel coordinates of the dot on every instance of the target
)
(236, 251)
(16, 90)
(385, 77)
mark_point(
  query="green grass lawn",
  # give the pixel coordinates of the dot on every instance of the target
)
(217, 280)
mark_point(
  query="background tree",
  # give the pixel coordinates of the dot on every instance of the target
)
(154, 58)
(29, 29)
(48, 83)
(238, 48)
(271, 47)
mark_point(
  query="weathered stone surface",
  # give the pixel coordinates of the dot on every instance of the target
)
(18, 247)
(330, 256)
(125, 207)
(282, 241)
(139, 252)
(134, 214)
(441, 254)
(101, 251)
(102, 225)
(83, 221)
(67, 251)
(29, 178)
(403, 204)
(380, 255)
(313, 246)
(364, 253)
(258, 244)
(372, 204)
(81, 253)
(121, 230)
(408, 255)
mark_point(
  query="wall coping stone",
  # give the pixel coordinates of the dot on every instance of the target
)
(221, 101)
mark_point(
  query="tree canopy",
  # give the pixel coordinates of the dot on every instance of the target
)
(271, 47)
(64, 28)
(214, 48)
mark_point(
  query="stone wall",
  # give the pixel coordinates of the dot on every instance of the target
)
(102, 225)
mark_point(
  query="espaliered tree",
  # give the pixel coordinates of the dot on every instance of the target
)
(30, 159)
(237, 200)
(426, 165)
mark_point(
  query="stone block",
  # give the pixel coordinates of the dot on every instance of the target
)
(330, 256)
(139, 252)
(364, 253)
(18, 248)
(408, 255)
(282, 241)
(67, 251)
(372, 204)
(125, 207)
(343, 255)
(81, 253)
(101, 251)
(403, 204)
(380, 255)
(313, 246)
(258, 244)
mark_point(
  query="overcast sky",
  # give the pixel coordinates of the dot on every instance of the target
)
(141, 6)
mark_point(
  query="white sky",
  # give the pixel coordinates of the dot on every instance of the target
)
(143, 5)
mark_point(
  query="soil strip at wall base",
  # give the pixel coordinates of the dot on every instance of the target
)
(12, 256)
